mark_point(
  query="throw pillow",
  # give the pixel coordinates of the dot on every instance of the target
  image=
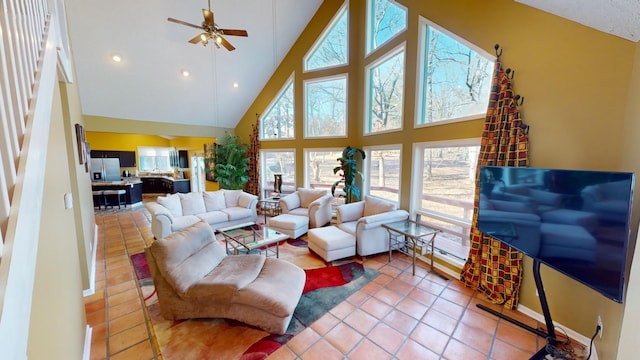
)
(374, 206)
(192, 203)
(214, 200)
(307, 196)
(171, 202)
(231, 197)
(244, 200)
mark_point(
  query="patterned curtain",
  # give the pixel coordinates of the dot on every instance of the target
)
(493, 267)
(253, 186)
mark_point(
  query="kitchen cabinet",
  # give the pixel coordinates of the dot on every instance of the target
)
(105, 154)
(127, 158)
(134, 190)
(161, 185)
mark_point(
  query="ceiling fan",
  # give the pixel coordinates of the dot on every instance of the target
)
(211, 31)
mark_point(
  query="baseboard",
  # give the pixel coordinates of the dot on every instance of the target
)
(92, 273)
(86, 354)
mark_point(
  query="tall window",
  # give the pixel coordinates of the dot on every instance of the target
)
(326, 107)
(332, 47)
(386, 19)
(385, 90)
(444, 188)
(281, 162)
(455, 80)
(319, 165)
(382, 171)
(278, 122)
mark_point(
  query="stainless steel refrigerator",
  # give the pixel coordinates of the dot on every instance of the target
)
(105, 169)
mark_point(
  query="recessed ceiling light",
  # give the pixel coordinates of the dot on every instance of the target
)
(235, 85)
(116, 57)
(185, 73)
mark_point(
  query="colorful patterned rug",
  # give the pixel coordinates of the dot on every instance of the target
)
(325, 288)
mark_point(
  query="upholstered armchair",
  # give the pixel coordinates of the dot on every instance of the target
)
(312, 203)
(364, 219)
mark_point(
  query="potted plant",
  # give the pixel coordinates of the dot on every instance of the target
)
(349, 169)
(232, 163)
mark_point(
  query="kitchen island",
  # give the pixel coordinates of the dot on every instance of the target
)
(132, 186)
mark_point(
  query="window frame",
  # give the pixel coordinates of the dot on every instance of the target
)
(322, 36)
(367, 118)
(369, 49)
(263, 170)
(366, 168)
(305, 82)
(306, 151)
(289, 82)
(420, 87)
(415, 205)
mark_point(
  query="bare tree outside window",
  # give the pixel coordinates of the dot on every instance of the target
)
(326, 107)
(456, 79)
(387, 19)
(278, 121)
(332, 49)
(387, 89)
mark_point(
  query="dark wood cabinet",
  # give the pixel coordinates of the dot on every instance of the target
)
(182, 186)
(160, 185)
(105, 154)
(127, 158)
(134, 195)
(134, 191)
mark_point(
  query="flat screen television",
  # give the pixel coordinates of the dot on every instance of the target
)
(574, 221)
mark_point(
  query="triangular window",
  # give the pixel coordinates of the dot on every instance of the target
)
(332, 47)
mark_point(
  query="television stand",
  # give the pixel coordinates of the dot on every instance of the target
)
(550, 335)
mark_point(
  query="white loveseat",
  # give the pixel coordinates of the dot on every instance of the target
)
(217, 208)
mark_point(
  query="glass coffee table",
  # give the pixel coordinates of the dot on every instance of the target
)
(411, 238)
(247, 237)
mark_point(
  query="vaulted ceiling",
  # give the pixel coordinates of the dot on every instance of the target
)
(148, 84)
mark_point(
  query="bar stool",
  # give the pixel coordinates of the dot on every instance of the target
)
(98, 199)
(111, 197)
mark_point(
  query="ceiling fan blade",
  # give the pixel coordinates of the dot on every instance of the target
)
(233, 32)
(208, 18)
(184, 23)
(226, 44)
(198, 38)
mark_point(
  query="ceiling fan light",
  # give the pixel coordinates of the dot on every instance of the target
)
(116, 57)
(203, 37)
(218, 39)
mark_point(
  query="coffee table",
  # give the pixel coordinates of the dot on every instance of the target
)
(246, 237)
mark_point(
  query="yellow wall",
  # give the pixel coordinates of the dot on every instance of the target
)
(575, 82)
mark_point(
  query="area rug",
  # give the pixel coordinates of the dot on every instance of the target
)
(324, 288)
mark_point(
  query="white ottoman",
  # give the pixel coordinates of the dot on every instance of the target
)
(292, 225)
(331, 243)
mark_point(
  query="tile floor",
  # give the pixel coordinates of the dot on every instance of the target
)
(396, 316)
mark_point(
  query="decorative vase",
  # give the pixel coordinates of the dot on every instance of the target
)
(277, 184)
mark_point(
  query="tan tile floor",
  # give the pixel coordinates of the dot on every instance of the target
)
(396, 316)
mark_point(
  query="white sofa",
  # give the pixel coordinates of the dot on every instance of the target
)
(364, 219)
(217, 208)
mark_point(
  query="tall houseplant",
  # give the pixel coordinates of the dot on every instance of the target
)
(348, 167)
(232, 163)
